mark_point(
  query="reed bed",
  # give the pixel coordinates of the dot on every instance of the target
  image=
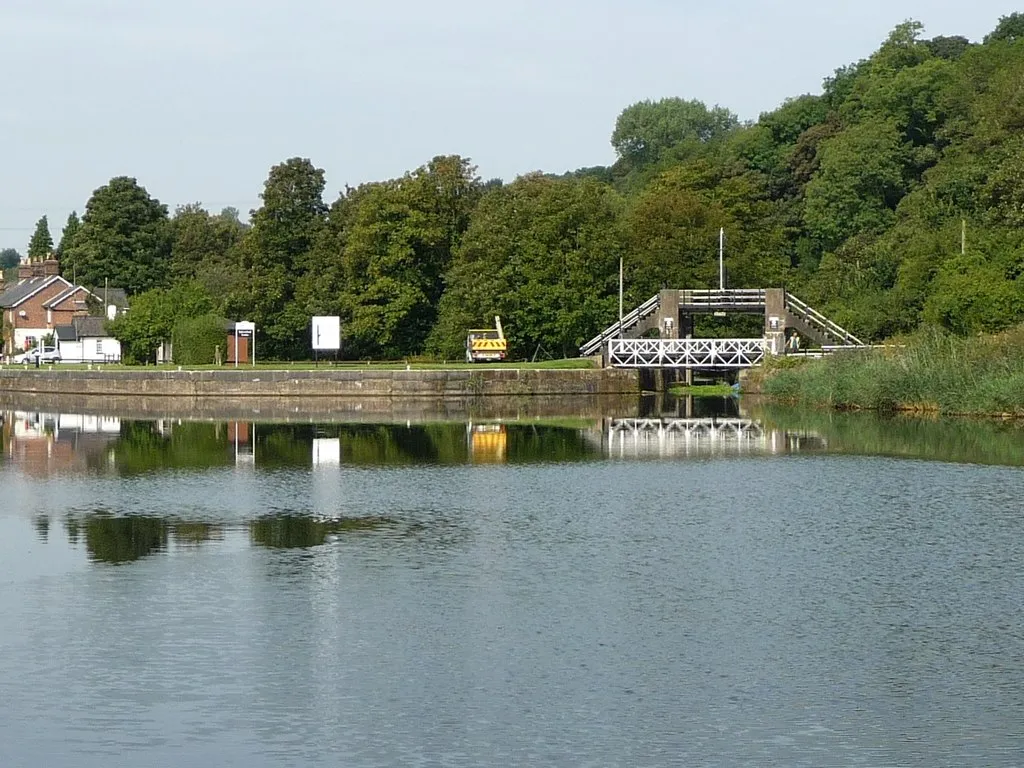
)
(930, 371)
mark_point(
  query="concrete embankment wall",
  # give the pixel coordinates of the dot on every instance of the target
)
(241, 383)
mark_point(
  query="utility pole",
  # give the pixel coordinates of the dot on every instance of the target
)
(620, 297)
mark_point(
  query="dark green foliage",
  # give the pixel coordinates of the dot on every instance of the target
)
(198, 339)
(153, 315)
(124, 238)
(205, 248)
(41, 245)
(1010, 29)
(68, 234)
(118, 540)
(645, 132)
(141, 448)
(543, 254)
(949, 48)
(273, 256)
(396, 241)
(9, 257)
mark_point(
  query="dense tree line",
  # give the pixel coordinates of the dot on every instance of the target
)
(857, 198)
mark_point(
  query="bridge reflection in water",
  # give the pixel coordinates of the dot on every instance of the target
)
(711, 436)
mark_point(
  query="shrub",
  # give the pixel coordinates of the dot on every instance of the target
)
(196, 339)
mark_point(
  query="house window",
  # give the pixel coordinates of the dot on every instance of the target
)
(99, 347)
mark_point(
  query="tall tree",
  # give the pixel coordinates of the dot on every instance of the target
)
(542, 253)
(124, 238)
(647, 130)
(1010, 29)
(274, 254)
(398, 245)
(205, 248)
(859, 184)
(67, 236)
(41, 245)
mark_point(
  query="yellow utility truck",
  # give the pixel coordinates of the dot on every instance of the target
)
(487, 345)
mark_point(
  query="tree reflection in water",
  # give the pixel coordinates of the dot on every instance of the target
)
(111, 539)
(299, 531)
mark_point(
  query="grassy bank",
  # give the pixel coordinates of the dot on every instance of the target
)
(932, 371)
(581, 363)
(701, 390)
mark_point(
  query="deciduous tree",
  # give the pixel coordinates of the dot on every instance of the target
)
(398, 246)
(645, 131)
(9, 257)
(273, 256)
(152, 316)
(543, 253)
(124, 239)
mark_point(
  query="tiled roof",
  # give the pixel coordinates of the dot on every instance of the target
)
(71, 291)
(20, 291)
(116, 296)
(91, 327)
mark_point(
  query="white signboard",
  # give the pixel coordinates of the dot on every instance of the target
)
(327, 333)
(246, 330)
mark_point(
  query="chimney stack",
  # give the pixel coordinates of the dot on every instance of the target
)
(50, 267)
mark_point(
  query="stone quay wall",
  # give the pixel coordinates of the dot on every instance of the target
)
(242, 383)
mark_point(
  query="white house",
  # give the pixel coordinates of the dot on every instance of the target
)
(87, 341)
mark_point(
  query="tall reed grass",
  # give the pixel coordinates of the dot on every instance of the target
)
(931, 371)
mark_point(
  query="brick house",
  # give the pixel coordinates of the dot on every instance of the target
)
(39, 302)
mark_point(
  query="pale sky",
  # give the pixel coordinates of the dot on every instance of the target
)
(198, 98)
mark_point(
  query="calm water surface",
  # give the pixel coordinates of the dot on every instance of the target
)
(759, 589)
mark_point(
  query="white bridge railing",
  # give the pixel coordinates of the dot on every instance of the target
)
(686, 353)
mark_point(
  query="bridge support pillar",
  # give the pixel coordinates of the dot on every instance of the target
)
(775, 320)
(668, 314)
(686, 327)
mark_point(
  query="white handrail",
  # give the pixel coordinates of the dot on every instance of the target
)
(628, 321)
(806, 312)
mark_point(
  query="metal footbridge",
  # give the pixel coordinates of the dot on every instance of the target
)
(723, 354)
(671, 313)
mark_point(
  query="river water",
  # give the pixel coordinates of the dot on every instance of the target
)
(709, 585)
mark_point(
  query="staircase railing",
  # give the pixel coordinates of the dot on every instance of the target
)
(597, 343)
(814, 318)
